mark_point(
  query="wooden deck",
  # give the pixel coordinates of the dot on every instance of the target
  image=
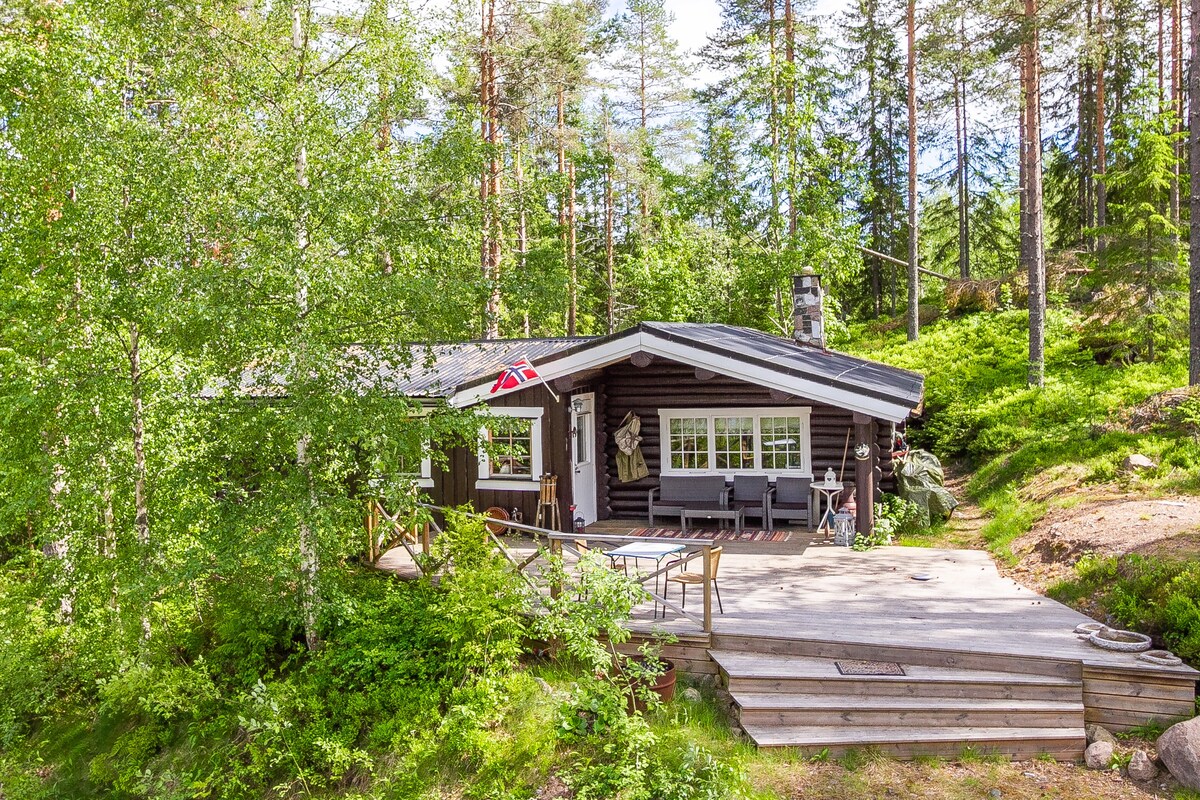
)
(988, 664)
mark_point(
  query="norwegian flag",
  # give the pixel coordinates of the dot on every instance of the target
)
(513, 376)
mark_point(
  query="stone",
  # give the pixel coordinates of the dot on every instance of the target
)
(1141, 768)
(691, 694)
(1137, 461)
(1098, 733)
(995, 794)
(1179, 751)
(1098, 755)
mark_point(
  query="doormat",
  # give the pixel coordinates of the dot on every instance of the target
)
(854, 667)
(720, 536)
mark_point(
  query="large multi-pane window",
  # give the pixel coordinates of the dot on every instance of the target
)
(689, 442)
(731, 440)
(511, 456)
(781, 442)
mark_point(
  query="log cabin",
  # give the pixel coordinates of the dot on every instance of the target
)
(711, 398)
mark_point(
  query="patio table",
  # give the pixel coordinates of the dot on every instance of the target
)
(653, 551)
(829, 493)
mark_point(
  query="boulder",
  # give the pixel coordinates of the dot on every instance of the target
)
(1098, 755)
(691, 694)
(1098, 733)
(1141, 767)
(1137, 461)
(1179, 750)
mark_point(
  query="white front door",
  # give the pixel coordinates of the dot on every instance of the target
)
(583, 456)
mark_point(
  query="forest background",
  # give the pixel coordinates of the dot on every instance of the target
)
(189, 189)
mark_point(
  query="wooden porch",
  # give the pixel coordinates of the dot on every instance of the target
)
(985, 664)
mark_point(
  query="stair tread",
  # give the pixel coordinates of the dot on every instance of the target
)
(770, 701)
(817, 735)
(759, 666)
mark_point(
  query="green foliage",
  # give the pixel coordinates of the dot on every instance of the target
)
(1158, 596)
(895, 516)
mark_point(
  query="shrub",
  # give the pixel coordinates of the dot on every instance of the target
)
(1157, 596)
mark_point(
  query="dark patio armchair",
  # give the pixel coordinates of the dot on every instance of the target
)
(752, 494)
(792, 500)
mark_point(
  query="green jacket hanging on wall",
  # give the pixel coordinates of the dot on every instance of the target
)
(631, 465)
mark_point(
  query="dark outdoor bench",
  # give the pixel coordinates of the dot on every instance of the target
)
(677, 493)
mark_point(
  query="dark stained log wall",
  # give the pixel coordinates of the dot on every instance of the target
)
(667, 384)
(455, 484)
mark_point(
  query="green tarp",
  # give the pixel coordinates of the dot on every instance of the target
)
(919, 478)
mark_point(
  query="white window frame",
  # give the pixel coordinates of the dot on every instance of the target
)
(424, 478)
(804, 413)
(514, 484)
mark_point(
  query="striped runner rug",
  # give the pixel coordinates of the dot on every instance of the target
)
(721, 536)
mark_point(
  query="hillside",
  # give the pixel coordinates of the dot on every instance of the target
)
(1060, 507)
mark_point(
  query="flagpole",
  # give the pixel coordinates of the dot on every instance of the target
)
(529, 361)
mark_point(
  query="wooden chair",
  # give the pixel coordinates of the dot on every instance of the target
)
(686, 579)
(547, 510)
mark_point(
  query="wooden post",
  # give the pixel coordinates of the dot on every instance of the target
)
(864, 474)
(707, 588)
(425, 539)
(371, 521)
(556, 550)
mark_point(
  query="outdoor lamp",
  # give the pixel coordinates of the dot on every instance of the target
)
(577, 405)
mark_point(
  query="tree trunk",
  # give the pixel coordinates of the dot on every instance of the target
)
(489, 184)
(1085, 151)
(572, 265)
(522, 222)
(1101, 145)
(1194, 240)
(789, 39)
(309, 563)
(644, 113)
(141, 514)
(610, 278)
(1031, 195)
(773, 123)
(914, 278)
(1176, 105)
(960, 122)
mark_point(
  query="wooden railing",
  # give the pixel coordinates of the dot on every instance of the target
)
(386, 530)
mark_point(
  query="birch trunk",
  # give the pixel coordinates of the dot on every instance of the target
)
(309, 559)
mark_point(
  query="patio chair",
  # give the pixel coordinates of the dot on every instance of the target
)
(752, 494)
(686, 579)
(792, 500)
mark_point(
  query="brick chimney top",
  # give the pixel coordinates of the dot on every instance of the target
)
(807, 308)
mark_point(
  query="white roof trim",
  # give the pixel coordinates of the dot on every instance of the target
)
(646, 341)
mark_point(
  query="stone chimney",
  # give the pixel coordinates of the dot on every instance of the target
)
(807, 313)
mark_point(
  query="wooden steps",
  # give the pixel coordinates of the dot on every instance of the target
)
(904, 743)
(826, 709)
(805, 702)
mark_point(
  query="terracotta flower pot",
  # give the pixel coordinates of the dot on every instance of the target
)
(663, 685)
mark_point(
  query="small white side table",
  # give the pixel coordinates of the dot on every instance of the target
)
(829, 492)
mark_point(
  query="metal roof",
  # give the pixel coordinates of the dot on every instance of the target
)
(783, 356)
(438, 370)
(803, 361)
